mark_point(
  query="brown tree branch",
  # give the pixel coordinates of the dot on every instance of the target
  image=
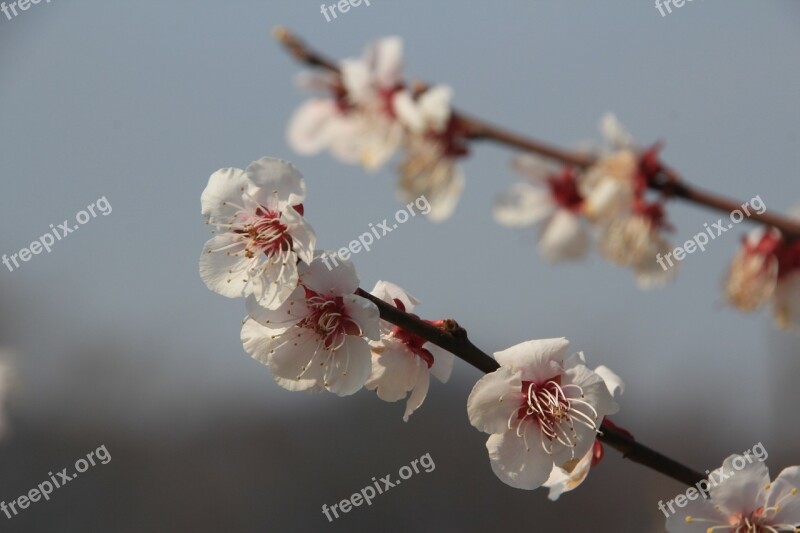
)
(671, 185)
(455, 340)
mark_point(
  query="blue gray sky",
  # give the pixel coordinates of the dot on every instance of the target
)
(141, 101)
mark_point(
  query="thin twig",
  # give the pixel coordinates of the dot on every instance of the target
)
(455, 340)
(672, 184)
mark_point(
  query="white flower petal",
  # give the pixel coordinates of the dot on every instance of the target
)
(287, 315)
(225, 272)
(786, 303)
(277, 281)
(357, 80)
(442, 362)
(649, 273)
(742, 491)
(561, 481)
(494, 399)
(258, 341)
(339, 280)
(407, 111)
(518, 465)
(347, 137)
(614, 133)
(302, 234)
(386, 57)
(523, 205)
(785, 490)
(595, 391)
(389, 292)
(434, 104)
(419, 393)
(608, 199)
(350, 367)
(295, 360)
(394, 370)
(538, 359)
(613, 381)
(564, 237)
(365, 314)
(703, 516)
(279, 177)
(444, 196)
(224, 186)
(310, 128)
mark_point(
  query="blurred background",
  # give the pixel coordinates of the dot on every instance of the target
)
(117, 342)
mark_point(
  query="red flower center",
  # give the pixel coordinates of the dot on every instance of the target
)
(268, 234)
(327, 316)
(564, 188)
(554, 414)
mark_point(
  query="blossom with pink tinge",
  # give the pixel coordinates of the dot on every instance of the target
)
(550, 198)
(402, 362)
(433, 144)
(357, 122)
(610, 185)
(636, 240)
(260, 231)
(767, 269)
(541, 409)
(316, 339)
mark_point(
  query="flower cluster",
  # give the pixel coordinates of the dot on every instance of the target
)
(607, 199)
(600, 195)
(316, 330)
(767, 269)
(369, 114)
(306, 321)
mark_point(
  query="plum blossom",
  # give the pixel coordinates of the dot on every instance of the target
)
(635, 240)
(357, 123)
(315, 339)
(540, 409)
(743, 500)
(612, 183)
(433, 144)
(631, 228)
(260, 231)
(551, 198)
(767, 268)
(606, 199)
(565, 479)
(402, 362)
